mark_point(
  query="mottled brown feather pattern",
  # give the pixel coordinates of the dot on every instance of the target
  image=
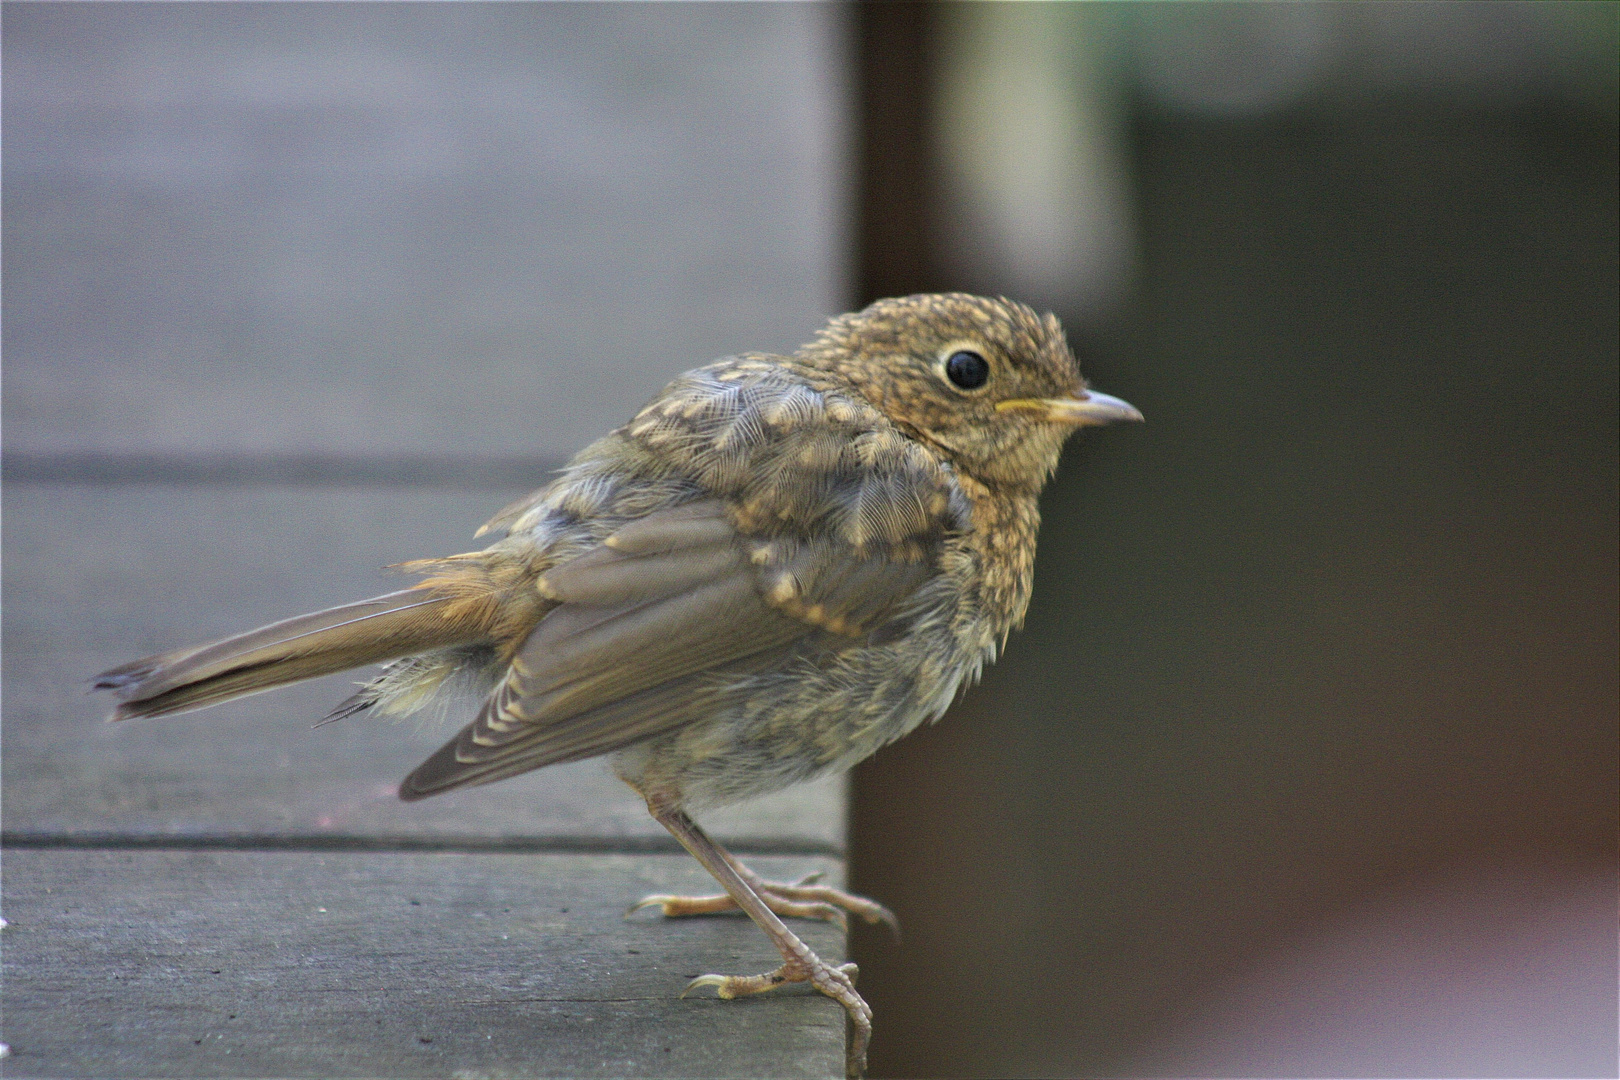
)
(781, 561)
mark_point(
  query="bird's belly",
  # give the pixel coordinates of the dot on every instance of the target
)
(792, 725)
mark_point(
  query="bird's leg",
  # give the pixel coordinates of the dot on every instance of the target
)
(799, 964)
(802, 899)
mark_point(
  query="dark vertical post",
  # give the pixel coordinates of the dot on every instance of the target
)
(894, 53)
(894, 45)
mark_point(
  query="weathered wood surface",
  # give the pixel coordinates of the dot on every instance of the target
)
(201, 280)
(109, 963)
(254, 964)
(360, 229)
(99, 574)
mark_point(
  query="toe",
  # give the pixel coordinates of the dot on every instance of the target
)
(677, 906)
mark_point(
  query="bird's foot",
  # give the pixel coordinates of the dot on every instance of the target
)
(802, 899)
(837, 983)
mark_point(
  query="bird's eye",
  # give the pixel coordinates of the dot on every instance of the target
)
(967, 370)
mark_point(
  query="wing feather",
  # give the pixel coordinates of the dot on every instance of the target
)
(819, 538)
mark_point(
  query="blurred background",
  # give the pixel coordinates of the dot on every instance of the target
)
(1305, 763)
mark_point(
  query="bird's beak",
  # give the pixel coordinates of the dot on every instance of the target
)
(1088, 407)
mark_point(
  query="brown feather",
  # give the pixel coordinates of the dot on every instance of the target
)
(653, 629)
(467, 600)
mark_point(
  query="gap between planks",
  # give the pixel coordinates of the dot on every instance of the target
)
(743, 847)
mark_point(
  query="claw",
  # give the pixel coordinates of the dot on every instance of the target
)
(887, 918)
(718, 981)
(729, 987)
(659, 900)
(675, 906)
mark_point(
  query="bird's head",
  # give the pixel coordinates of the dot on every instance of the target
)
(990, 383)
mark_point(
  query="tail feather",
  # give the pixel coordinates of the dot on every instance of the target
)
(372, 631)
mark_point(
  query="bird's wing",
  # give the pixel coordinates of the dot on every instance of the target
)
(653, 623)
(817, 524)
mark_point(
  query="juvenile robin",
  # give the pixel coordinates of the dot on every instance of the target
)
(777, 566)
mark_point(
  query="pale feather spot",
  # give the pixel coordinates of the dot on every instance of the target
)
(784, 589)
(742, 432)
(792, 408)
(873, 447)
(854, 531)
(659, 434)
(813, 454)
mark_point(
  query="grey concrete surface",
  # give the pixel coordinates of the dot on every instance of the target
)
(247, 964)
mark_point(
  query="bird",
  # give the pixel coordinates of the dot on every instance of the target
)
(779, 565)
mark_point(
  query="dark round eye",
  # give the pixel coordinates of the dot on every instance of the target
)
(967, 370)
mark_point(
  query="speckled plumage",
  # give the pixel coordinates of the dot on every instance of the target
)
(777, 566)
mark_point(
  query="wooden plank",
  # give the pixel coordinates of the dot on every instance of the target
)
(210, 963)
(99, 574)
(495, 243)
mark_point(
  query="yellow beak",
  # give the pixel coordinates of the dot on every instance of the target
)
(1089, 407)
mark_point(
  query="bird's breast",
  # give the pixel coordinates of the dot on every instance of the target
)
(994, 561)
